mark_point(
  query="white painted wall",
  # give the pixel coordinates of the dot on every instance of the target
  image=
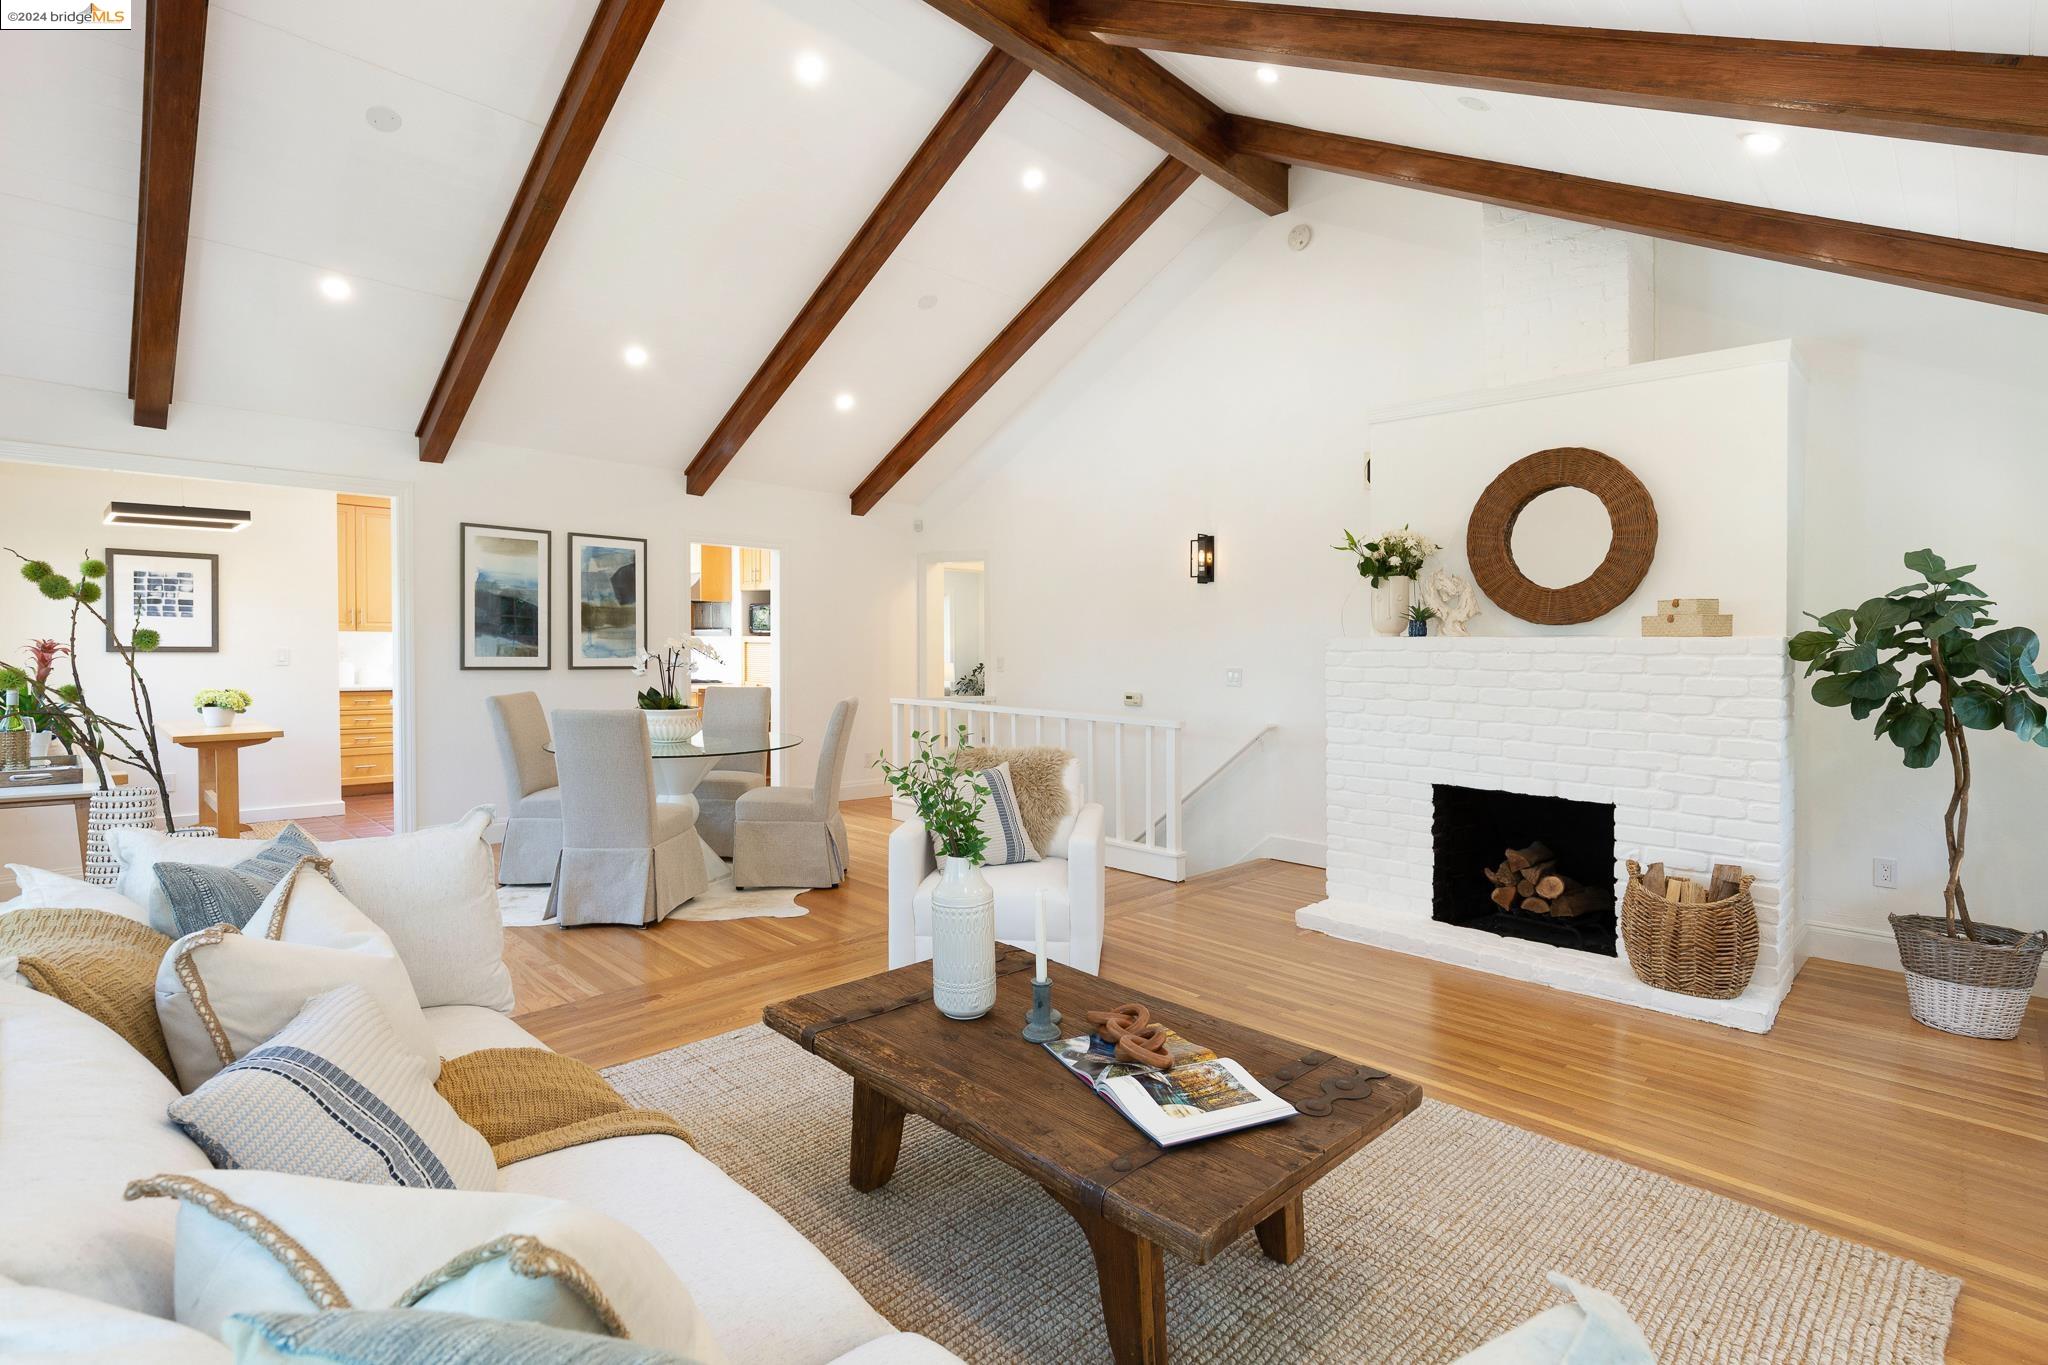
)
(844, 612)
(1924, 427)
(1711, 437)
(276, 592)
(1231, 396)
(1562, 298)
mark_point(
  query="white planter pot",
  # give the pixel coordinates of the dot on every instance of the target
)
(963, 941)
(1390, 603)
(673, 727)
(217, 717)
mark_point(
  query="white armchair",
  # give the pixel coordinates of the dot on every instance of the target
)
(1072, 875)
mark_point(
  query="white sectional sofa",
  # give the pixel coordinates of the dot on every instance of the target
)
(82, 1114)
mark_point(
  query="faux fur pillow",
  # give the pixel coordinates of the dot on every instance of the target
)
(1035, 773)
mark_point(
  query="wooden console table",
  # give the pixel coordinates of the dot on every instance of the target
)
(220, 776)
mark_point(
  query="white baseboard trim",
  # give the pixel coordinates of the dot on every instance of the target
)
(311, 810)
(1285, 848)
(863, 790)
(1866, 947)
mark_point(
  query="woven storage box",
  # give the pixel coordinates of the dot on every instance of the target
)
(13, 748)
(1707, 950)
(1979, 989)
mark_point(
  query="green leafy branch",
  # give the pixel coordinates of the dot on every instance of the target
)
(946, 796)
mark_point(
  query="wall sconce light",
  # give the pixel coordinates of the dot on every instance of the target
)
(1202, 558)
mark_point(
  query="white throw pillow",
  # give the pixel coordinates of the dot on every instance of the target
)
(38, 1325)
(221, 992)
(1001, 819)
(259, 1242)
(81, 1111)
(43, 889)
(435, 892)
(333, 1094)
(139, 851)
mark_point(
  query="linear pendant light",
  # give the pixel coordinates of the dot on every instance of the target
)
(167, 514)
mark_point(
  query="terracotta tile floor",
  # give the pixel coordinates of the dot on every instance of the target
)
(366, 817)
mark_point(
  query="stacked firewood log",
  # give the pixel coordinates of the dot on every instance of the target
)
(1528, 879)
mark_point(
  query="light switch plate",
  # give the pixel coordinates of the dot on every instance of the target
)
(281, 659)
(1233, 677)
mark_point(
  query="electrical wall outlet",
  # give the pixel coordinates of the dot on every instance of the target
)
(1134, 699)
(1884, 873)
(1233, 677)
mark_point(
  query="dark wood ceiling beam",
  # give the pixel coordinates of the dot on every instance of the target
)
(1068, 284)
(174, 53)
(610, 46)
(1943, 265)
(984, 96)
(1129, 87)
(1970, 98)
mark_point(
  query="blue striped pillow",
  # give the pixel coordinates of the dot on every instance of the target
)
(407, 1336)
(1002, 819)
(203, 896)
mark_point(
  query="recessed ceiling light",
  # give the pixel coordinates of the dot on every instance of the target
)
(1761, 143)
(1474, 103)
(383, 118)
(336, 288)
(635, 356)
(1033, 178)
(844, 402)
(810, 69)
(1267, 76)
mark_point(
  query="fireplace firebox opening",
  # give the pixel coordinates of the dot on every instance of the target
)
(1539, 868)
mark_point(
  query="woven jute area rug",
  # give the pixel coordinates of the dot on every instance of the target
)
(1431, 1240)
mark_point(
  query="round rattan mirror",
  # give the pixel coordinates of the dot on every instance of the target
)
(1489, 537)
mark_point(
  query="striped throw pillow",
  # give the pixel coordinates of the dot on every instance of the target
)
(202, 896)
(1002, 820)
(335, 1095)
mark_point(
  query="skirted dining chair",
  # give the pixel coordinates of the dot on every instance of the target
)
(533, 798)
(627, 857)
(795, 836)
(730, 713)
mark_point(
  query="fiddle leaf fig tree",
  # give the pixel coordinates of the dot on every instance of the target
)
(1923, 661)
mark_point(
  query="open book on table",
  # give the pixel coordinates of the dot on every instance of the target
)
(1199, 1095)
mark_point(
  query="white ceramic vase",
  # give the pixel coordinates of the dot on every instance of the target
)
(673, 727)
(1391, 598)
(217, 717)
(963, 941)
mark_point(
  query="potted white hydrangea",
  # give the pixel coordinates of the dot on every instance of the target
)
(218, 706)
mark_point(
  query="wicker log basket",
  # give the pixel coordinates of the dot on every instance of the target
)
(1707, 949)
(1978, 988)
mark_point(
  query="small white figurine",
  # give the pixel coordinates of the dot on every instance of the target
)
(1451, 598)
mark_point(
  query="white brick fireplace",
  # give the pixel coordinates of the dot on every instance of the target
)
(1686, 739)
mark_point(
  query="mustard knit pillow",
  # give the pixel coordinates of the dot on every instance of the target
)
(97, 962)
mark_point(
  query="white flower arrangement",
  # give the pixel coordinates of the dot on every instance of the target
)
(671, 665)
(1396, 554)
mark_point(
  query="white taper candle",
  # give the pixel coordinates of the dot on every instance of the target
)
(1041, 976)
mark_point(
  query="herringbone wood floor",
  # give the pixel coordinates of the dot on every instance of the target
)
(1848, 1116)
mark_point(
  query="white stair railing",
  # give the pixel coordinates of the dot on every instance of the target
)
(1226, 765)
(1131, 764)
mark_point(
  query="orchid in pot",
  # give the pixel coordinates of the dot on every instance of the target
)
(949, 799)
(669, 715)
(1391, 564)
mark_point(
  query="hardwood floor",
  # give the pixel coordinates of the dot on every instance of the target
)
(1848, 1116)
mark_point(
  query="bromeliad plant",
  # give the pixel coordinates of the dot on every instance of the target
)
(1396, 554)
(1881, 659)
(946, 796)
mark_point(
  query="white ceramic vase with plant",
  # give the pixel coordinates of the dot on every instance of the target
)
(949, 800)
(1391, 564)
(666, 706)
(219, 707)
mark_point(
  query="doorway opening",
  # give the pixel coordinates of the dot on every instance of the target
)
(954, 659)
(736, 609)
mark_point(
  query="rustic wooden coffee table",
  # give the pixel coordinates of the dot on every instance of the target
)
(982, 1082)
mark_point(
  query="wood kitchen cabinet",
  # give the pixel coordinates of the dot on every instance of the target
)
(365, 742)
(714, 581)
(363, 535)
(753, 568)
(758, 663)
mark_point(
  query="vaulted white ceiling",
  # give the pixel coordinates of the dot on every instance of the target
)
(723, 188)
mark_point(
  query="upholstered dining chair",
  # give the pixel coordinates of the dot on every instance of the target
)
(737, 713)
(533, 798)
(795, 836)
(627, 857)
